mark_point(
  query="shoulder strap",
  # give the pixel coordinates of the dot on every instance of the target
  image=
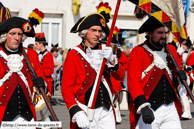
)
(144, 73)
(82, 53)
(153, 63)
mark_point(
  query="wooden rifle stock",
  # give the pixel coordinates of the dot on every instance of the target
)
(177, 68)
(40, 89)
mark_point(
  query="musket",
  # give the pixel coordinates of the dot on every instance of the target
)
(177, 68)
(183, 66)
(103, 62)
(40, 89)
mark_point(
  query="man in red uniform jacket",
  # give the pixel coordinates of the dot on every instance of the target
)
(15, 78)
(150, 77)
(81, 67)
(187, 61)
(47, 65)
(46, 60)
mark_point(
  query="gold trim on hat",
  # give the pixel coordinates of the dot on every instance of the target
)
(85, 18)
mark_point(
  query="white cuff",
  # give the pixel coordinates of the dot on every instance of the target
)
(142, 106)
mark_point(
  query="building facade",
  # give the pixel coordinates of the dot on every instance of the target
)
(59, 19)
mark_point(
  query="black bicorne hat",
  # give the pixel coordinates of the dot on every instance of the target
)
(1, 5)
(187, 42)
(91, 20)
(151, 24)
(17, 22)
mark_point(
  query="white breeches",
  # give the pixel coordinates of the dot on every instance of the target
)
(182, 91)
(166, 117)
(103, 119)
(19, 118)
(185, 103)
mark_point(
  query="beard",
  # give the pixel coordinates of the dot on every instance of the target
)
(160, 43)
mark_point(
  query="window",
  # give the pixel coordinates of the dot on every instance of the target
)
(52, 28)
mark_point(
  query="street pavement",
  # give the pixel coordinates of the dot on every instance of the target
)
(63, 116)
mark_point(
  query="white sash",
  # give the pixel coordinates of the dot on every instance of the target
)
(84, 107)
(82, 53)
(9, 73)
(41, 57)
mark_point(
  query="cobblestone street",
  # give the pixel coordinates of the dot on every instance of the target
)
(63, 115)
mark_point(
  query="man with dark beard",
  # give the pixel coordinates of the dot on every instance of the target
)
(151, 75)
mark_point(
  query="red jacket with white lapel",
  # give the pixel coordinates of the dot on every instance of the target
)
(139, 60)
(78, 77)
(9, 86)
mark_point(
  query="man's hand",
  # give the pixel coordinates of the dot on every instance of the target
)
(107, 53)
(182, 75)
(81, 119)
(147, 115)
(39, 82)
